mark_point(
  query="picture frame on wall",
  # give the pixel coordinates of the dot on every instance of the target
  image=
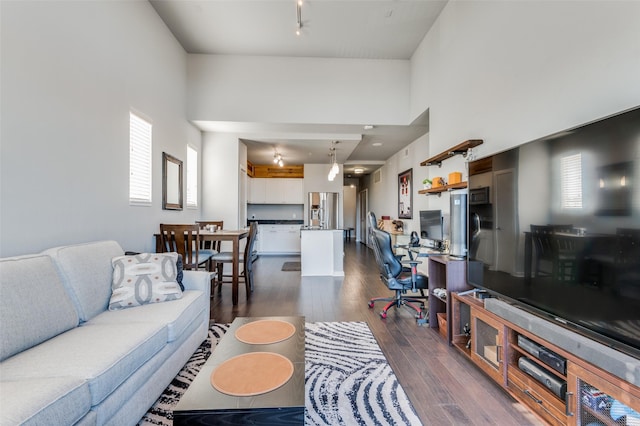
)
(171, 182)
(405, 194)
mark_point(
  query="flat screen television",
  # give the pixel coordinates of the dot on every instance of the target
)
(561, 236)
(431, 226)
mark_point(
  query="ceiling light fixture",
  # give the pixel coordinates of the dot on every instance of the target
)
(358, 170)
(368, 127)
(277, 159)
(298, 17)
(335, 169)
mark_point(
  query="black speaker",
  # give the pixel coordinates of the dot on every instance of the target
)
(458, 224)
(548, 379)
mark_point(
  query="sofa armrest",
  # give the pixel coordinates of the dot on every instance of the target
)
(197, 280)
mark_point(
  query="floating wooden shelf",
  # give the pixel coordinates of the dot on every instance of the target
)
(439, 190)
(461, 148)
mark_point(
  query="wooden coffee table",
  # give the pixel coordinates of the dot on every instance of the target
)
(203, 404)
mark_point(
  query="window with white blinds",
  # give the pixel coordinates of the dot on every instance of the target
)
(571, 181)
(192, 177)
(139, 160)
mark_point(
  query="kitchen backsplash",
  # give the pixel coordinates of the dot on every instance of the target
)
(275, 211)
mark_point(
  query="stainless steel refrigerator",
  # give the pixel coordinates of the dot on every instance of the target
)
(323, 210)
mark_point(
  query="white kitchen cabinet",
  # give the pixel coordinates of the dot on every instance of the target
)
(276, 191)
(257, 191)
(288, 191)
(279, 239)
(482, 180)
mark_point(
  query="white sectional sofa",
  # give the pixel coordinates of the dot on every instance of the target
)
(66, 359)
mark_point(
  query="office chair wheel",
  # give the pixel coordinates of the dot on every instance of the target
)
(370, 305)
(383, 314)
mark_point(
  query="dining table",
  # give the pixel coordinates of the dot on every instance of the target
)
(233, 235)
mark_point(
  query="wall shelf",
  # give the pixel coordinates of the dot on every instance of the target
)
(439, 190)
(462, 148)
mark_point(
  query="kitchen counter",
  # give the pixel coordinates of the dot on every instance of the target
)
(322, 252)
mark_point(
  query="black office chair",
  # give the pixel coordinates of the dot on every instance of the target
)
(373, 224)
(397, 279)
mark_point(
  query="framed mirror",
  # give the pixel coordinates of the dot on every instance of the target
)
(171, 182)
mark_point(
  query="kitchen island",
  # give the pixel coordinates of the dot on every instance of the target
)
(277, 236)
(322, 252)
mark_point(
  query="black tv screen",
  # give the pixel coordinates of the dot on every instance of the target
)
(561, 237)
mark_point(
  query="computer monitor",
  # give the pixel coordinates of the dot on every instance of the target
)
(431, 225)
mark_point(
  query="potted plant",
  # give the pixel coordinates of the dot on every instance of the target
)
(426, 183)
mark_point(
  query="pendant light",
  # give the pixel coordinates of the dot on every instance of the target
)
(335, 169)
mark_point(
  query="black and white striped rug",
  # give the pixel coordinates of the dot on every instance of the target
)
(348, 380)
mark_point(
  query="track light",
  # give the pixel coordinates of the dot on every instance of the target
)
(277, 159)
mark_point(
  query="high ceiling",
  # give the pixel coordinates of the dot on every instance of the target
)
(380, 29)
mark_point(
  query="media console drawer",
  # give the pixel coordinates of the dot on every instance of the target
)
(536, 396)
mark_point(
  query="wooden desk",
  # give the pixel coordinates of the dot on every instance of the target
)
(449, 273)
(234, 236)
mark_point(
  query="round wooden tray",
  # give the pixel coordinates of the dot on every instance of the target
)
(252, 373)
(264, 332)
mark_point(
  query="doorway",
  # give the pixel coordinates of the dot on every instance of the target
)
(362, 208)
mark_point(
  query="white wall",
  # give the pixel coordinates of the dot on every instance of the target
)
(512, 71)
(71, 71)
(298, 90)
(383, 196)
(220, 185)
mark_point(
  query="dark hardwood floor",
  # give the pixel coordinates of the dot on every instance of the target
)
(444, 387)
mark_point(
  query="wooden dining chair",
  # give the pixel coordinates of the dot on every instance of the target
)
(185, 240)
(209, 246)
(559, 252)
(245, 258)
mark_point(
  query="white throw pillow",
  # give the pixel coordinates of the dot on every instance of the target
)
(144, 278)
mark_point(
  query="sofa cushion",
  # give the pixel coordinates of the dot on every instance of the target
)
(34, 305)
(144, 278)
(86, 271)
(104, 355)
(177, 314)
(44, 401)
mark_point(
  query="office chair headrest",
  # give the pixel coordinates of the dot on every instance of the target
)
(414, 240)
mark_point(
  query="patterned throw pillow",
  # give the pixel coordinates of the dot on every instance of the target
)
(144, 278)
(179, 264)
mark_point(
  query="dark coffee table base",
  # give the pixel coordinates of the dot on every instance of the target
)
(202, 404)
(255, 416)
